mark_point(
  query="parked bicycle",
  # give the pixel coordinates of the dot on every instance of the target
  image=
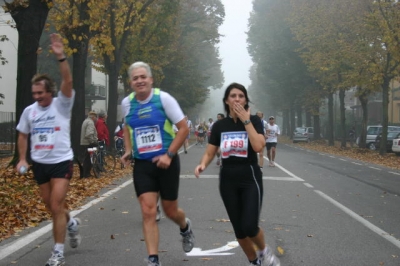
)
(102, 162)
(119, 151)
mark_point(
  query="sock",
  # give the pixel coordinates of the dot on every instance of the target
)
(153, 258)
(185, 229)
(59, 248)
(255, 262)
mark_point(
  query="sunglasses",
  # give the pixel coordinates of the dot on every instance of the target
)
(271, 119)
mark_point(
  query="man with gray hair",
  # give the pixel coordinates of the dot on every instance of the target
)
(150, 114)
(88, 140)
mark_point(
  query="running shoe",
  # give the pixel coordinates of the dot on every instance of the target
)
(158, 216)
(56, 259)
(73, 233)
(268, 258)
(273, 163)
(150, 263)
(188, 238)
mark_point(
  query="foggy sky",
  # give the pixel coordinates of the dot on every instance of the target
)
(236, 61)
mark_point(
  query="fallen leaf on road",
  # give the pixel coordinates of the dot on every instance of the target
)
(280, 250)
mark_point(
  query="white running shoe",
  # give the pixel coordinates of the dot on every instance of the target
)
(268, 258)
(56, 259)
(188, 238)
(150, 263)
(73, 233)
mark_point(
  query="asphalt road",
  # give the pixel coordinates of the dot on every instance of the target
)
(318, 210)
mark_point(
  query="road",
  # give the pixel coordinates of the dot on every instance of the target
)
(318, 209)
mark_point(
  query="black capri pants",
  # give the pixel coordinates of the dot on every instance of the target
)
(241, 189)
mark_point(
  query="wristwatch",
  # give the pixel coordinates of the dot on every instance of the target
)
(170, 154)
(246, 122)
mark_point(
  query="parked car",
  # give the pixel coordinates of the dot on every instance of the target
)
(373, 132)
(305, 134)
(396, 146)
(389, 142)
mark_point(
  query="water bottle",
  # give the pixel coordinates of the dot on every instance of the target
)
(22, 170)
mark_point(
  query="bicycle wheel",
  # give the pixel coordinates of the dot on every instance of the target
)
(96, 166)
(118, 159)
(109, 162)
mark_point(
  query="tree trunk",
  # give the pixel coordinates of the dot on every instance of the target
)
(317, 123)
(342, 94)
(292, 120)
(286, 123)
(299, 114)
(78, 111)
(363, 97)
(308, 119)
(112, 100)
(385, 118)
(329, 132)
(30, 22)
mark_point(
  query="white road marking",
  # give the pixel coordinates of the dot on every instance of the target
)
(23, 241)
(394, 173)
(343, 160)
(214, 252)
(308, 185)
(358, 218)
(287, 172)
(357, 163)
(375, 168)
(264, 177)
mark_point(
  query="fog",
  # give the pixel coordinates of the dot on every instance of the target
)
(236, 61)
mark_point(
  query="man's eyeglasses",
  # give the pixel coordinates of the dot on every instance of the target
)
(271, 119)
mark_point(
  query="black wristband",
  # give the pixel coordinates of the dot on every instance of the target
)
(62, 59)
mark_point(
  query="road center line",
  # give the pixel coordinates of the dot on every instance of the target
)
(358, 218)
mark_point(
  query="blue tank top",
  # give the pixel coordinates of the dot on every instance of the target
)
(150, 129)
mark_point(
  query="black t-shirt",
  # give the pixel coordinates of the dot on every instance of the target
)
(228, 125)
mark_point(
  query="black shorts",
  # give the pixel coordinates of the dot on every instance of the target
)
(147, 177)
(201, 135)
(44, 172)
(270, 145)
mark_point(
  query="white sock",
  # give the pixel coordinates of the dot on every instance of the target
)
(59, 248)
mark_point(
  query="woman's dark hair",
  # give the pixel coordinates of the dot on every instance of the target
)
(228, 91)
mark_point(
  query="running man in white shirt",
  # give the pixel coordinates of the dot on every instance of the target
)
(273, 132)
(47, 121)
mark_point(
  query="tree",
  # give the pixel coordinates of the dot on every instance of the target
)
(30, 17)
(73, 19)
(281, 74)
(384, 62)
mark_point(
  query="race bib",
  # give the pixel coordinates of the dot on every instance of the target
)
(234, 144)
(148, 139)
(43, 138)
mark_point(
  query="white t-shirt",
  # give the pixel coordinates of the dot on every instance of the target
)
(50, 129)
(265, 124)
(273, 132)
(170, 105)
(189, 124)
(174, 128)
